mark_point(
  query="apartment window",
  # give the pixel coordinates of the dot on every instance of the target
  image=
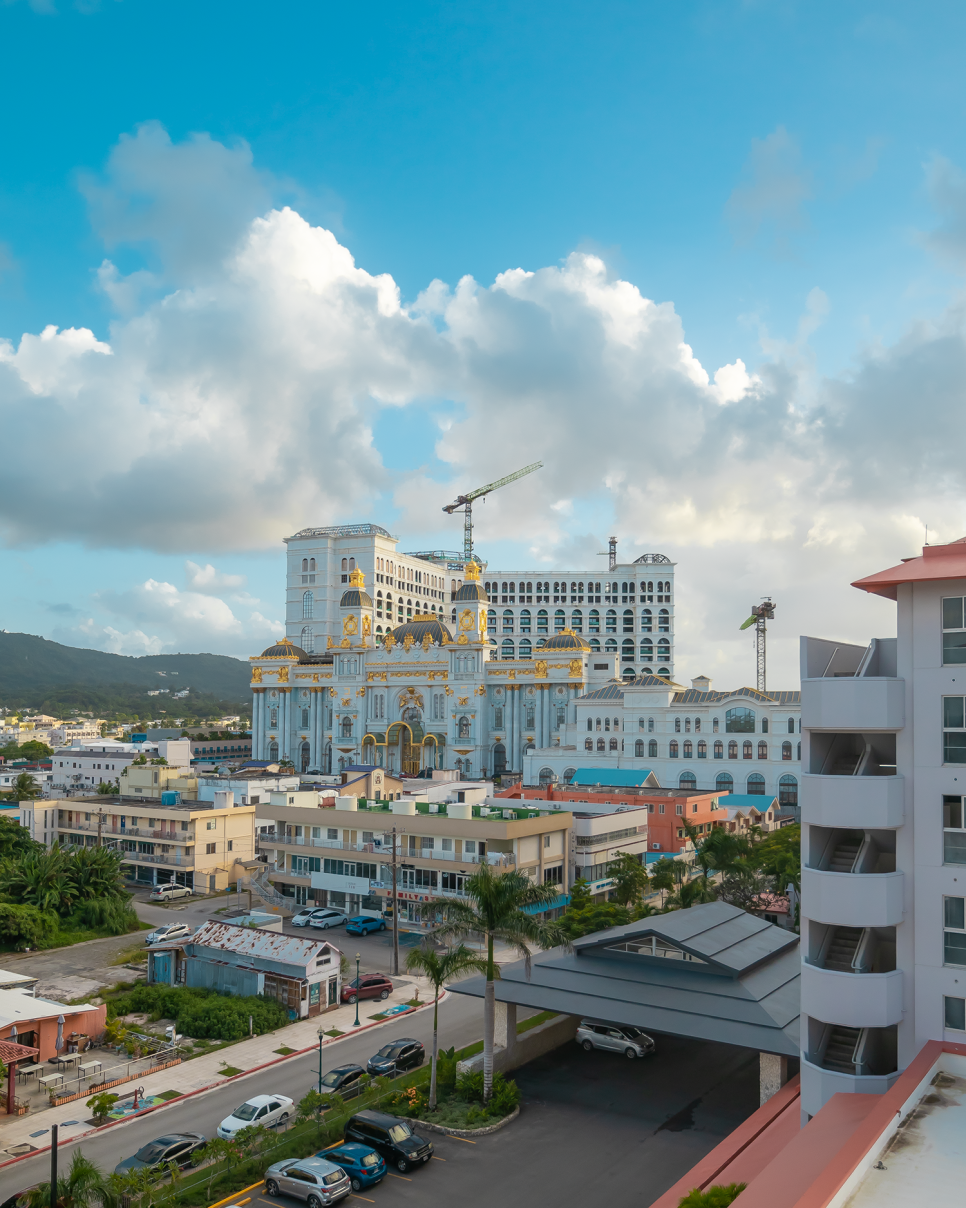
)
(652, 749)
(546, 840)
(954, 1011)
(954, 631)
(331, 833)
(209, 849)
(679, 809)
(954, 729)
(954, 833)
(954, 931)
(209, 826)
(231, 844)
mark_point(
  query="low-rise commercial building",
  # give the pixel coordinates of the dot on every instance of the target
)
(80, 769)
(37, 1022)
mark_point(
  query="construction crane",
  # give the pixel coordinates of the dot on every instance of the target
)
(760, 613)
(464, 504)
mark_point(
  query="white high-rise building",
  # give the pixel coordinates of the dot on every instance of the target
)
(884, 842)
(626, 611)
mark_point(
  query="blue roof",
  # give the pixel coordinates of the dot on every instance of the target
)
(607, 777)
(562, 899)
(744, 801)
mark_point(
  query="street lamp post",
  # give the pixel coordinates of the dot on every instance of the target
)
(321, 1034)
(358, 987)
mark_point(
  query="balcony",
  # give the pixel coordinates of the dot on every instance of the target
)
(130, 832)
(854, 702)
(137, 857)
(863, 802)
(853, 899)
(857, 1000)
(819, 1085)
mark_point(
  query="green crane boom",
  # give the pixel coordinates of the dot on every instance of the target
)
(464, 504)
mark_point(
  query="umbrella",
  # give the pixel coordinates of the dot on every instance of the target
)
(13, 1032)
(60, 1032)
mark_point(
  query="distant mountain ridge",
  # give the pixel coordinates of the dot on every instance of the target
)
(30, 664)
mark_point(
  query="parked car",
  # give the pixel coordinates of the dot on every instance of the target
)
(391, 1137)
(170, 931)
(404, 1054)
(304, 916)
(362, 1164)
(259, 1110)
(362, 924)
(173, 1147)
(315, 1180)
(615, 1038)
(369, 985)
(343, 1080)
(166, 893)
(325, 919)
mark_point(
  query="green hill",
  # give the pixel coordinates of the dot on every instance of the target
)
(42, 674)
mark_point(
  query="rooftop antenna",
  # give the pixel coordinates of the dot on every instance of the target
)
(610, 554)
(760, 613)
(464, 504)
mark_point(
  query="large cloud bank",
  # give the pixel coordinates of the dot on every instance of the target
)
(234, 397)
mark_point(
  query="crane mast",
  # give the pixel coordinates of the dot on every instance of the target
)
(760, 613)
(464, 504)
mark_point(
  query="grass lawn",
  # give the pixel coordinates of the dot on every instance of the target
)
(284, 1050)
(169, 1095)
(229, 1071)
(535, 1020)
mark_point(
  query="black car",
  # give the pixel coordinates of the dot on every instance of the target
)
(403, 1054)
(173, 1147)
(391, 1137)
(343, 1080)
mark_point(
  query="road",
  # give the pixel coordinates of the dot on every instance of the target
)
(460, 1024)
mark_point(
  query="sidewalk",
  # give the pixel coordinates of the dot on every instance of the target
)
(203, 1072)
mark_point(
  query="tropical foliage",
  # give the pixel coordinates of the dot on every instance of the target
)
(718, 1196)
(494, 910)
(62, 878)
(203, 1013)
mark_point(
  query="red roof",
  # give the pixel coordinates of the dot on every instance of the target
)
(936, 562)
(11, 1052)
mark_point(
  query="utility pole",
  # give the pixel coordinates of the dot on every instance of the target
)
(53, 1166)
(100, 824)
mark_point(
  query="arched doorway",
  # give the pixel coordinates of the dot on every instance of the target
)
(402, 754)
(328, 759)
(305, 756)
(273, 752)
(547, 777)
(499, 759)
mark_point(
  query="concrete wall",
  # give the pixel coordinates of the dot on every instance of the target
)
(544, 1038)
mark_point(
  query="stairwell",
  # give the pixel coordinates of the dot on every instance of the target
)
(844, 855)
(842, 949)
(845, 765)
(839, 1050)
(258, 883)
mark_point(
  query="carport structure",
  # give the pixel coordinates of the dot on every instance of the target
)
(711, 972)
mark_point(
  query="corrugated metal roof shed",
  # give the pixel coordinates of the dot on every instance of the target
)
(255, 942)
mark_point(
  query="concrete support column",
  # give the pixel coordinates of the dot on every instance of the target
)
(510, 705)
(256, 722)
(772, 1074)
(285, 735)
(505, 1026)
(546, 715)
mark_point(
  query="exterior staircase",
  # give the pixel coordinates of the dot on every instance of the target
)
(258, 883)
(844, 855)
(842, 949)
(839, 1050)
(845, 765)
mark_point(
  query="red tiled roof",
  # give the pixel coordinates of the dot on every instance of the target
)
(11, 1052)
(935, 562)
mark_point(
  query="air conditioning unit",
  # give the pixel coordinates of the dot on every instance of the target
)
(433, 807)
(509, 814)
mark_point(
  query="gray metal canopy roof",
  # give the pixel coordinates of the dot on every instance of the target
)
(731, 977)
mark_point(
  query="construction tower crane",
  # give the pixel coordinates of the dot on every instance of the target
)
(760, 613)
(464, 504)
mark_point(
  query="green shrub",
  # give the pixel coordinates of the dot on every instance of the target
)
(446, 1069)
(719, 1196)
(204, 1013)
(101, 1105)
(26, 926)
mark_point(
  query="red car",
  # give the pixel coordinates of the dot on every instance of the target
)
(369, 985)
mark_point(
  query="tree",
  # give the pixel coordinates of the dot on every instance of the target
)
(439, 969)
(779, 855)
(665, 874)
(82, 1187)
(32, 750)
(24, 788)
(101, 1105)
(15, 841)
(630, 879)
(596, 916)
(26, 926)
(494, 910)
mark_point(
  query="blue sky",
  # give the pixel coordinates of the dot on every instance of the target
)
(783, 179)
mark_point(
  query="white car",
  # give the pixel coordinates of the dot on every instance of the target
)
(166, 893)
(170, 931)
(324, 919)
(258, 1111)
(305, 916)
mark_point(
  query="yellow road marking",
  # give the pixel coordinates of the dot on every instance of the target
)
(465, 1140)
(229, 1199)
(398, 1176)
(435, 1159)
(353, 1196)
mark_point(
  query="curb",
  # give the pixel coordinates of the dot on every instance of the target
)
(469, 1132)
(202, 1090)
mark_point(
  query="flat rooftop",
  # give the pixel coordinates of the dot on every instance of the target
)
(125, 801)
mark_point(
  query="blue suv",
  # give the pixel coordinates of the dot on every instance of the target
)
(363, 1165)
(362, 924)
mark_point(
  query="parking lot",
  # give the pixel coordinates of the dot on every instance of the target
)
(593, 1127)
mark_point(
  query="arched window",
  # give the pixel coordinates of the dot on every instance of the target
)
(799, 755)
(663, 652)
(702, 749)
(627, 650)
(664, 672)
(724, 782)
(613, 744)
(598, 723)
(577, 621)
(763, 750)
(650, 725)
(273, 752)
(345, 565)
(788, 791)
(688, 749)
(610, 620)
(610, 646)
(687, 725)
(590, 723)
(746, 750)
(304, 752)
(672, 749)
(732, 750)
(664, 621)
(714, 725)
(588, 744)
(791, 725)
(499, 759)
(506, 650)
(652, 749)
(593, 621)
(569, 774)
(307, 640)
(305, 565)
(546, 777)
(308, 601)
(352, 564)
(559, 621)
(525, 620)
(677, 725)
(311, 564)
(647, 651)
(639, 749)
(628, 620)
(463, 727)
(607, 723)
(739, 721)
(786, 750)
(601, 745)
(764, 725)
(756, 784)
(346, 727)
(688, 780)
(646, 620)
(719, 749)
(542, 621)
(507, 620)
(697, 725)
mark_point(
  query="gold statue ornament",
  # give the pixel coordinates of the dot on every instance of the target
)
(256, 675)
(350, 626)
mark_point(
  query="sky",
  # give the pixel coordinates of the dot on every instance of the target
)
(263, 268)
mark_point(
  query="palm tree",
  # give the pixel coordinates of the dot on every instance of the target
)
(439, 969)
(24, 787)
(495, 912)
(82, 1187)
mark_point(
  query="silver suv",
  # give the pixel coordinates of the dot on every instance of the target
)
(614, 1037)
(314, 1180)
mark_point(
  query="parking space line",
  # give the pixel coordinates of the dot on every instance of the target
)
(398, 1176)
(465, 1140)
(353, 1196)
(435, 1159)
